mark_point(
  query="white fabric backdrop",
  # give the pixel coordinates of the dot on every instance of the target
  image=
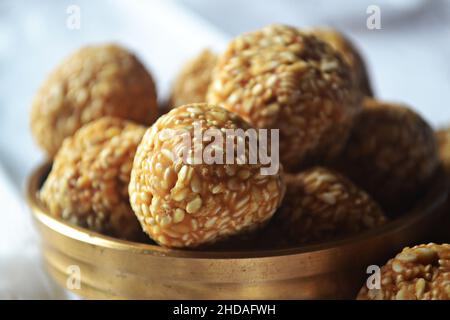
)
(408, 58)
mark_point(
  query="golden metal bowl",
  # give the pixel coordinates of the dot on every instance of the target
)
(112, 268)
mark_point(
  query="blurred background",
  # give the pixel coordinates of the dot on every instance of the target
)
(407, 57)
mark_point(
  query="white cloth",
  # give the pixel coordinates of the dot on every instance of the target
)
(22, 275)
(408, 58)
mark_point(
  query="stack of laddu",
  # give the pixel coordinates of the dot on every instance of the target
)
(350, 162)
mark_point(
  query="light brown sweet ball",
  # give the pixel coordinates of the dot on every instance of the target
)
(392, 153)
(88, 183)
(443, 137)
(349, 53)
(182, 201)
(279, 77)
(322, 205)
(191, 84)
(418, 273)
(93, 82)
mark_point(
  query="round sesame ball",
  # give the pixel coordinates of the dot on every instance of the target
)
(322, 205)
(88, 183)
(392, 154)
(443, 137)
(349, 53)
(182, 201)
(418, 273)
(93, 82)
(279, 77)
(191, 84)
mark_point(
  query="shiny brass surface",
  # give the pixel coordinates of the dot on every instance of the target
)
(112, 268)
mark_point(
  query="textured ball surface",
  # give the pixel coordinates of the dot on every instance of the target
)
(88, 183)
(418, 273)
(279, 77)
(183, 203)
(350, 54)
(392, 153)
(322, 205)
(93, 82)
(192, 82)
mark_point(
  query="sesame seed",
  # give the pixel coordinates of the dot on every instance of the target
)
(210, 223)
(194, 205)
(179, 215)
(166, 220)
(182, 174)
(180, 194)
(196, 184)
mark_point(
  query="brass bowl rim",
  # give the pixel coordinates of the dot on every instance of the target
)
(94, 238)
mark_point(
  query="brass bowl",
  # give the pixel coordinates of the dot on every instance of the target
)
(112, 268)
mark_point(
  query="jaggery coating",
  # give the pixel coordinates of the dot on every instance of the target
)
(93, 82)
(350, 54)
(443, 137)
(88, 183)
(279, 77)
(191, 84)
(418, 273)
(186, 202)
(392, 154)
(322, 205)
